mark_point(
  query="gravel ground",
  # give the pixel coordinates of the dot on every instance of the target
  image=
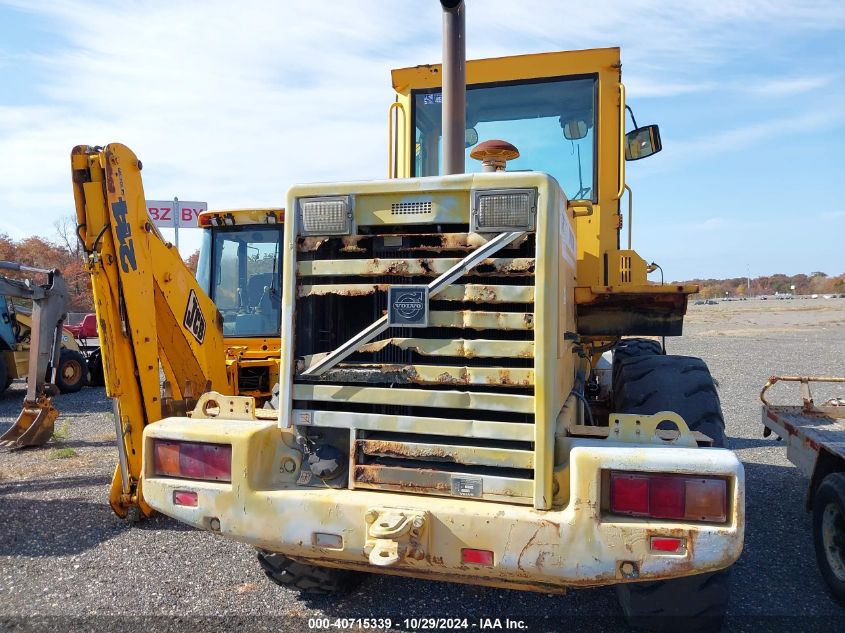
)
(63, 552)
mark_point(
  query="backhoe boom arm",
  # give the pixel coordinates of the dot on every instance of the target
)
(153, 315)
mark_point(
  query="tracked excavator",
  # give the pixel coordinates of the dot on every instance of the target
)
(166, 335)
(34, 425)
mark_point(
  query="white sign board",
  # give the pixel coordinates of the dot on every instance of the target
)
(173, 214)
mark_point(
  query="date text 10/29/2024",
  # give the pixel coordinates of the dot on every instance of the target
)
(419, 624)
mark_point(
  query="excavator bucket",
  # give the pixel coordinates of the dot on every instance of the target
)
(33, 427)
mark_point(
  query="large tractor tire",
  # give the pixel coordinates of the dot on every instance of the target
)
(631, 350)
(72, 372)
(649, 384)
(829, 533)
(308, 579)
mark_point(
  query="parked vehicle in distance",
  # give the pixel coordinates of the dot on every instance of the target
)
(87, 328)
(813, 434)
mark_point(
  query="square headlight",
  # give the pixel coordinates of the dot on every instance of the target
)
(330, 215)
(499, 210)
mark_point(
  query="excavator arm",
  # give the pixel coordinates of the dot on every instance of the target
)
(153, 316)
(34, 425)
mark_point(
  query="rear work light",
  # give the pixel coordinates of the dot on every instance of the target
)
(192, 460)
(661, 496)
(330, 215)
(499, 210)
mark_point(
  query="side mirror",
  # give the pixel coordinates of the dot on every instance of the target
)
(470, 137)
(642, 142)
(574, 130)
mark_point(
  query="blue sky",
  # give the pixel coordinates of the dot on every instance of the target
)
(232, 103)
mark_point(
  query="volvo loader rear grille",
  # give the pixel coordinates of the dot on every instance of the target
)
(446, 409)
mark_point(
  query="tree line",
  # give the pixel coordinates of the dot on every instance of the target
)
(816, 283)
(62, 252)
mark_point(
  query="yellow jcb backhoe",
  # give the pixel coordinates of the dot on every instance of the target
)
(218, 330)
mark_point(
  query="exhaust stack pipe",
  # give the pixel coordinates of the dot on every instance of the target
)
(454, 86)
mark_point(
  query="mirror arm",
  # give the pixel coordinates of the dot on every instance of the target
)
(633, 118)
(621, 142)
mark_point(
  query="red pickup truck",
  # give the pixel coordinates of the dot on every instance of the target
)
(87, 328)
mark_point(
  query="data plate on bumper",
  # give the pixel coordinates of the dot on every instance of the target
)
(444, 483)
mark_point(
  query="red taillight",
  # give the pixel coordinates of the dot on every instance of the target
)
(629, 494)
(477, 556)
(669, 496)
(666, 497)
(192, 460)
(205, 220)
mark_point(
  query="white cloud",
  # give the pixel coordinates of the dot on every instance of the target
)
(790, 85)
(233, 103)
(833, 215)
(711, 224)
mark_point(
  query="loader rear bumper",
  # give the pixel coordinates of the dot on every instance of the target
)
(408, 534)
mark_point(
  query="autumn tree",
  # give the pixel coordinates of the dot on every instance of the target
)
(192, 260)
(63, 255)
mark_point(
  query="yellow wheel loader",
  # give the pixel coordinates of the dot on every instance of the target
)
(31, 346)
(469, 385)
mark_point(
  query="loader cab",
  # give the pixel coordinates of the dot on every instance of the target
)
(563, 114)
(240, 269)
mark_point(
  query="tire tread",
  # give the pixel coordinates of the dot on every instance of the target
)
(649, 384)
(307, 579)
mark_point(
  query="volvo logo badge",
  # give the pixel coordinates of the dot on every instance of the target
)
(407, 306)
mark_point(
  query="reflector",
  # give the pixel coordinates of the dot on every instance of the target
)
(185, 498)
(477, 556)
(668, 544)
(330, 541)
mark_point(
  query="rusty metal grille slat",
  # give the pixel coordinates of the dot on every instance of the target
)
(342, 286)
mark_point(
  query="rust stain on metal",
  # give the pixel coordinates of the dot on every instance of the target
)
(448, 379)
(400, 450)
(412, 242)
(351, 244)
(429, 267)
(372, 475)
(348, 290)
(393, 374)
(469, 293)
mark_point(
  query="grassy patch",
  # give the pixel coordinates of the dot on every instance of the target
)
(62, 432)
(62, 453)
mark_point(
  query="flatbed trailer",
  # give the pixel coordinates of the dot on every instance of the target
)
(815, 443)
